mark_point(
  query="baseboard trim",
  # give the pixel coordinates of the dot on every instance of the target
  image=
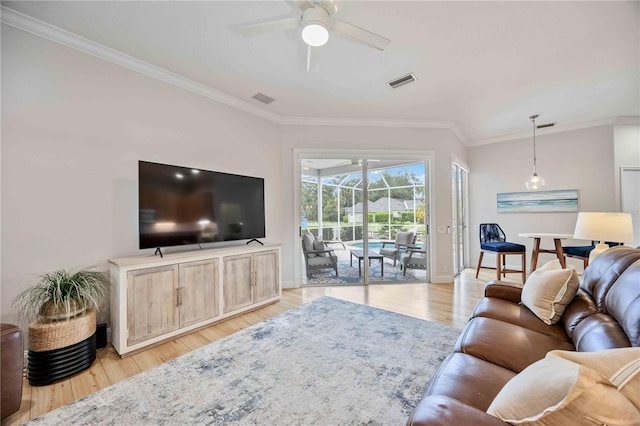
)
(290, 284)
(442, 279)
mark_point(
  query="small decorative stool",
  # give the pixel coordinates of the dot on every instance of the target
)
(61, 348)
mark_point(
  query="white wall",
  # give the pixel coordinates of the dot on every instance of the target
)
(443, 142)
(626, 145)
(626, 138)
(579, 159)
(73, 129)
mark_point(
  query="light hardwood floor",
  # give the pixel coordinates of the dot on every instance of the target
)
(449, 304)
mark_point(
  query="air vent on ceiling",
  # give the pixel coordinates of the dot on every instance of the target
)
(263, 98)
(401, 81)
(542, 126)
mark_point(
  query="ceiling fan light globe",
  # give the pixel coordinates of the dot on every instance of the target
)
(315, 34)
(535, 182)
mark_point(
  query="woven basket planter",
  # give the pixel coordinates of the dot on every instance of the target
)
(61, 348)
(46, 336)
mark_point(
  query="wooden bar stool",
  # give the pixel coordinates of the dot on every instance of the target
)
(494, 240)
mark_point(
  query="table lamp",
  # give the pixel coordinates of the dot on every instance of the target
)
(601, 227)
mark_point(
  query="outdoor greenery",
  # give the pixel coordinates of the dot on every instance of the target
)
(344, 191)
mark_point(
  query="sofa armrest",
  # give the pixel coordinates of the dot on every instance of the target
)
(442, 410)
(504, 290)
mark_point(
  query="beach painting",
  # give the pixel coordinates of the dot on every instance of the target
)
(560, 201)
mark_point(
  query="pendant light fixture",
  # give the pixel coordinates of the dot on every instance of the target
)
(534, 182)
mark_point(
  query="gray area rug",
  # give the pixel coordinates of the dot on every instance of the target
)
(330, 362)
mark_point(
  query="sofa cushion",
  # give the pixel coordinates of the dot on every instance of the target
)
(623, 302)
(516, 313)
(600, 275)
(560, 390)
(507, 345)
(470, 380)
(438, 410)
(548, 291)
(599, 332)
(580, 307)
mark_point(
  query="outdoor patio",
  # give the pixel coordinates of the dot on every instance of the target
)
(333, 208)
(348, 270)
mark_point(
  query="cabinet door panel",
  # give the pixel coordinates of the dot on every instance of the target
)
(151, 303)
(265, 265)
(198, 291)
(237, 286)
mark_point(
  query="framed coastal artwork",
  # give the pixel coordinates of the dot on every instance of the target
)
(559, 201)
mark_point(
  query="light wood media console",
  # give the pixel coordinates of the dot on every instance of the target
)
(156, 298)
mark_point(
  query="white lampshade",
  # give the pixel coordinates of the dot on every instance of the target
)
(600, 226)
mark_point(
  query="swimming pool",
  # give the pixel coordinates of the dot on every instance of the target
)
(374, 245)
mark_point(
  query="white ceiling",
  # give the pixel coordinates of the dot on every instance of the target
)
(482, 67)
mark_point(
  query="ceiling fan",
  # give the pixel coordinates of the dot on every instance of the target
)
(317, 22)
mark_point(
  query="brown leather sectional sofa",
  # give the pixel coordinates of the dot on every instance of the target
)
(503, 337)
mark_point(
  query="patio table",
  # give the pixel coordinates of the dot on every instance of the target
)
(373, 255)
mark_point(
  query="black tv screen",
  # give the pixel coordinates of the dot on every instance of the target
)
(182, 205)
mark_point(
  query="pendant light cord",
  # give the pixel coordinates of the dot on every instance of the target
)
(533, 119)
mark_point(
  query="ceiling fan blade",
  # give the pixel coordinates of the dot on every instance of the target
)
(269, 27)
(308, 57)
(303, 4)
(360, 35)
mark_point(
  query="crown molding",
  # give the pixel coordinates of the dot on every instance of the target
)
(627, 119)
(619, 120)
(375, 122)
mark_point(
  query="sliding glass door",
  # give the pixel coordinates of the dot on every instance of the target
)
(330, 224)
(360, 211)
(459, 179)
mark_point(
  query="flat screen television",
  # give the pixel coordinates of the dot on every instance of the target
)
(182, 205)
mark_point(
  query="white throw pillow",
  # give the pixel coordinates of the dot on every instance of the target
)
(561, 390)
(552, 265)
(549, 290)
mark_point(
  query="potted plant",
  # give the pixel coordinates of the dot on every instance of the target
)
(62, 339)
(62, 294)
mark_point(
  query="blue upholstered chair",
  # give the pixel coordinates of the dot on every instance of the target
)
(582, 252)
(494, 240)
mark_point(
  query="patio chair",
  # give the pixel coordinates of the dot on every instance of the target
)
(403, 240)
(316, 255)
(494, 240)
(414, 258)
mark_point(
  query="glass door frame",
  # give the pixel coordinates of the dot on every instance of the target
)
(460, 215)
(428, 157)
